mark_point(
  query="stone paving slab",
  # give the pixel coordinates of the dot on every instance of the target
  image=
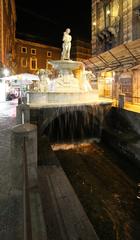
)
(11, 200)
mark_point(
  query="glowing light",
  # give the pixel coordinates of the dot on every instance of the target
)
(2, 91)
(108, 12)
(6, 72)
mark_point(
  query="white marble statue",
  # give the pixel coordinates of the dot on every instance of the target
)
(44, 80)
(66, 46)
(86, 78)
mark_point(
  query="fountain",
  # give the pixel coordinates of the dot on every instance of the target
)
(65, 90)
(70, 84)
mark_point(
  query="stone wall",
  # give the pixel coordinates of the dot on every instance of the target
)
(121, 131)
(136, 19)
(127, 20)
(93, 27)
(43, 116)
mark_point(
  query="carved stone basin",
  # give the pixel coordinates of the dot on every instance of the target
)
(64, 65)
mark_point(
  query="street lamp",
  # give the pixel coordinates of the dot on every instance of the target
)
(6, 72)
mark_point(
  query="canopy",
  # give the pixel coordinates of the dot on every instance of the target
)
(124, 56)
(23, 78)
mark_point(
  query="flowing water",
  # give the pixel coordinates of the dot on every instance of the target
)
(105, 187)
(76, 123)
(104, 181)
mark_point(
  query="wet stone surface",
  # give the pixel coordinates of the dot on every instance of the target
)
(10, 201)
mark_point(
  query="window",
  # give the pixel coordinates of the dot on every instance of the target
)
(33, 51)
(33, 63)
(49, 54)
(23, 49)
(23, 62)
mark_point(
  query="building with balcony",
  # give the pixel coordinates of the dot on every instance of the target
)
(114, 22)
(116, 47)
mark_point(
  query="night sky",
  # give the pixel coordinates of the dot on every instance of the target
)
(49, 22)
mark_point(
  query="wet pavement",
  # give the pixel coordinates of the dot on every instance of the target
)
(9, 200)
(7, 120)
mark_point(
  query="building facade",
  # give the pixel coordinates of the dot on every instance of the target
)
(7, 33)
(115, 47)
(32, 56)
(80, 50)
(114, 22)
(7, 42)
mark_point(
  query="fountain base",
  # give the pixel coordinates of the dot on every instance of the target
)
(38, 98)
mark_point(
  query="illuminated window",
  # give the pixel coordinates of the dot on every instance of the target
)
(49, 54)
(33, 51)
(33, 63)
(23, 49)
(23, 62)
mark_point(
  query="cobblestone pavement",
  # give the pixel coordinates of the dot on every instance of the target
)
(9, 201)
(7, 120)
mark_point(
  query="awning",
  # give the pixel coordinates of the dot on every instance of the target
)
(125, 56)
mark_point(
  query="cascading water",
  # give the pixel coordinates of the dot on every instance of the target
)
(76, 123)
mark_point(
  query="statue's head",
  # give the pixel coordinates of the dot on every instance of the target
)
(68, 30)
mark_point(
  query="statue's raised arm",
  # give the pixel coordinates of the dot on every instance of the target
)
(66, 46)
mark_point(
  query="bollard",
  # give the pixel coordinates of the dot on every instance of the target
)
(121, 100)
(20, 133)
(24, 100)
(22, 114)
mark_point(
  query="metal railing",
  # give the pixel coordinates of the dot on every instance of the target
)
(133, 100)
